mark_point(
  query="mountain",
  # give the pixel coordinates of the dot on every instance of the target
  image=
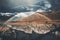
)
(37, 18)
(54, 16)
(34, 22)
(20, 16)
(38, 22)
(4, 18)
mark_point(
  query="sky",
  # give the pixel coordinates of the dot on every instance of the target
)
(29, 5)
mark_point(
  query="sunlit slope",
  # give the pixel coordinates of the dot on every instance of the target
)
(38, 18)
(34, 18)
(39, 22)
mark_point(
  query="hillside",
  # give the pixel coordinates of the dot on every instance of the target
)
(36, 22)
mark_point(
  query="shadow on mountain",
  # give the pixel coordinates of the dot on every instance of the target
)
(4, 18)
(34, 36)
(20, 35)
(13, 34)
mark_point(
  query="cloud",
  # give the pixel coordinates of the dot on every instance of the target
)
(40, 10)
(47, 4)
(44, 6)
(26, 5)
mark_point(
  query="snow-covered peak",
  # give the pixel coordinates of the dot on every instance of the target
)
(16, 17)
(24, 14)
(29, 13)
(21, 15)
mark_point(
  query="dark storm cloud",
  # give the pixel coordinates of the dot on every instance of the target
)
(28, 5)
(3, 5)
(55, 4)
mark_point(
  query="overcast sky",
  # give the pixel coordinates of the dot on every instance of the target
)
(28, 5)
